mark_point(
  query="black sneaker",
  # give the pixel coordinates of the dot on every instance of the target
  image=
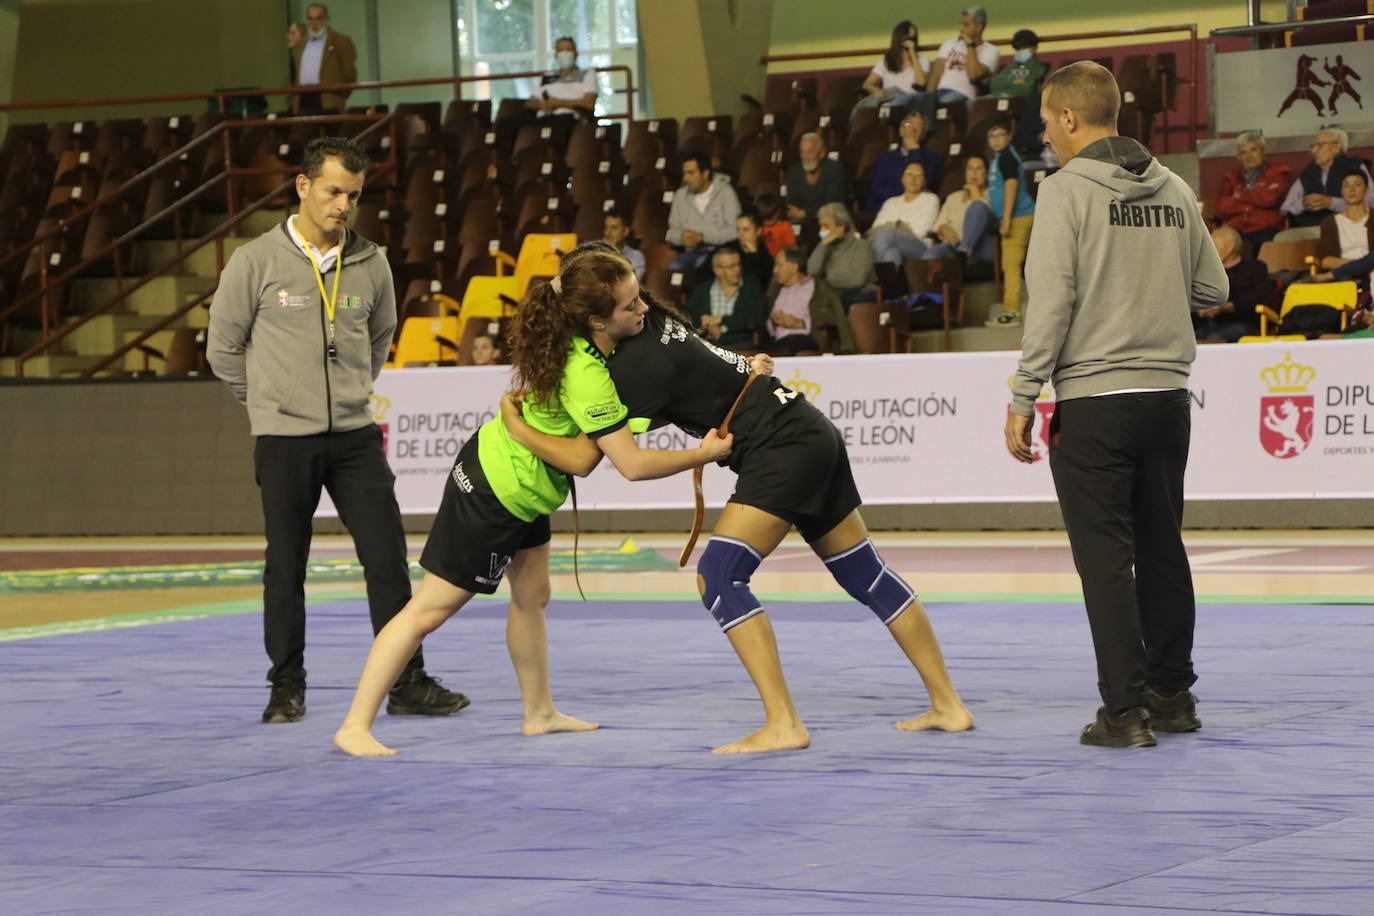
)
(287, 703)
(418, 694)
(1176, 713)
(1130, 729)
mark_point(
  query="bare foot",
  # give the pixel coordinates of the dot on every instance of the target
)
(769, 738)
(958, 719)
(555, 722)
(360, 743)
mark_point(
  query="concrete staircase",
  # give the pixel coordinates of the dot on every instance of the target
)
(143, 308)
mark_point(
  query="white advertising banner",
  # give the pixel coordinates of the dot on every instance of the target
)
(1291, 92)
(1270, 421)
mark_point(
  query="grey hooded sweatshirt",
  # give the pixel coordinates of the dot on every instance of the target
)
(268, 335)
(1119, 257)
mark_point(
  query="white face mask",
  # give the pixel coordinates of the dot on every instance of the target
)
(566, 59)
(1022, 55)
(824, 233)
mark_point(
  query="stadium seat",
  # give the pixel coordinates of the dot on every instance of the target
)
(1340, 296)
(428, 342)
(540, 254)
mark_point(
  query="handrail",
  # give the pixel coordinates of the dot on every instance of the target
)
(220, 95)
(215, 235)
(1246, 31)
(71, 220)
(34, 295)
(1190, 28)
(159, 325)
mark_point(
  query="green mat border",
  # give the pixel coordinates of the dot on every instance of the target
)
(253, 605)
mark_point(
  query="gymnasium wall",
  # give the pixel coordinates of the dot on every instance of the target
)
(174, 456)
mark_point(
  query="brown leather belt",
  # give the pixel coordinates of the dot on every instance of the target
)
(723, 430)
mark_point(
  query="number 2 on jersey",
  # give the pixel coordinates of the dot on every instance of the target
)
(784, 395)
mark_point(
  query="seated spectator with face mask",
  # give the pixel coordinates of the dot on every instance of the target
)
(568, 91)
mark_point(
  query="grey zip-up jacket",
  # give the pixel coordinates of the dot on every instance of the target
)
(717, 224)
(1119, 257)
(268, 334)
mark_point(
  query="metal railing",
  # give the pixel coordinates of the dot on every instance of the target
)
(48, 286)
(1191, 81)
(216, 236)
(222, 96)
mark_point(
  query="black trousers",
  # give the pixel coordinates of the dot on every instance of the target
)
(1118, 463)
(290, 472)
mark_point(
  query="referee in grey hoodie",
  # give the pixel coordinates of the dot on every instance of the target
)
(299, 328)
(1118, 259)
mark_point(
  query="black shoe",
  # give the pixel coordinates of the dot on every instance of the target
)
(418, 694)
(1130, 729)
(287, 703)
(1176, 713)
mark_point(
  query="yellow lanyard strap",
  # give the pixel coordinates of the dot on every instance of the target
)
(330, 304)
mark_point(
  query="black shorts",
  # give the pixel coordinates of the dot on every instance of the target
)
(800, 473)
(474, 536)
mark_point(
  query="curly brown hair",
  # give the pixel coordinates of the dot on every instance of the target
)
(548, 320)
(653, 302)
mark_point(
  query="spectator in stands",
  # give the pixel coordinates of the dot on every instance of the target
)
(887, 170)
(1347, 238)
(749, 245)
(1250, 286)
(790, 297)
(729, 309)
(1317, 192)
(901, 73)
(703, 212)
(1014, 210)
(295, 42)
(843, 259)
(965, 225)
(486, 350)
(306, 391)
(326, 58)
(1251, 193)
(615, 230)
(960, 64)
(568, 92)
(903, 227)
(1021, 78)
(814, 180)
(777, 232)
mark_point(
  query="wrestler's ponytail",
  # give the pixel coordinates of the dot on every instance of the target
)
(553, 312)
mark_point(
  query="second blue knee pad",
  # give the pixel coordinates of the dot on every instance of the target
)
(725, 567)
(862, 573)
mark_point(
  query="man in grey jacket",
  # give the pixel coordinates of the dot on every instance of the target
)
(1119, 257)
(703, 214)
(299, 328)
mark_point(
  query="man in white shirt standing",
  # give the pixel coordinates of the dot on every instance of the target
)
(959, 64)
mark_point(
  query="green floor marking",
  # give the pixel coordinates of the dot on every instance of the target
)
(628, 557)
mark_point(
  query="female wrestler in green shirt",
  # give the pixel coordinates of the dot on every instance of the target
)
(494, 518)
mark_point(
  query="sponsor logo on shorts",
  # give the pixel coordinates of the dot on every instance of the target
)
(461, 478)
(602, 413)
(499, 562)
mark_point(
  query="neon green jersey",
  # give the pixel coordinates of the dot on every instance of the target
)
(587, 403)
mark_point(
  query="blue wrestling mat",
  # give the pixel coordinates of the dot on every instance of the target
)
(136, 778)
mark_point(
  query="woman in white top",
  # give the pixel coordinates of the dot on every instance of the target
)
(900, 75)
(1347, 237)
(965, 224)
(905, 223)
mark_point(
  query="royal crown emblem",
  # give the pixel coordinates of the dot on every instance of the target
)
(808, 390)
(1288, 376)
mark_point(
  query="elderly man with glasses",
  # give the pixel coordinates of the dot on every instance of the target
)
(1251, 193)
(1317, 192)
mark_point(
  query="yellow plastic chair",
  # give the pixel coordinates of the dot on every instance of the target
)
(487, 298)
(540, 253)
(427, 341)
(1340, 296)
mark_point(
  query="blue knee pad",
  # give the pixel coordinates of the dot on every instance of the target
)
(862, 573)
(725, 567)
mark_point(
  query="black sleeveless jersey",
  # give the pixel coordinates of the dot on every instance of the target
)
(667, 372)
